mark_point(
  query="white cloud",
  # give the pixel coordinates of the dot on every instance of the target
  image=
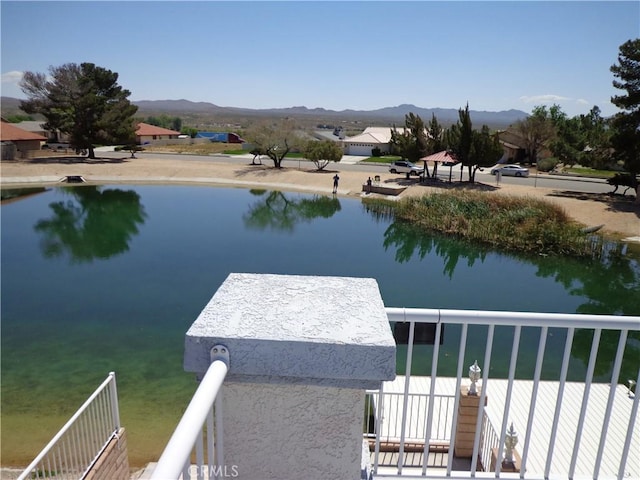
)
(582, 101)
(12, 77)
(10, 87)
(543, 98)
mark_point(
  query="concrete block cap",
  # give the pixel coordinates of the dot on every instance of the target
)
(313, 330)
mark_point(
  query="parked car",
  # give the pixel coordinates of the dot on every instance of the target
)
(512, 170)
(402, 166)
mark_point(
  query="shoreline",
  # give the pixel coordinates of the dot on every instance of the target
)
(619, 215)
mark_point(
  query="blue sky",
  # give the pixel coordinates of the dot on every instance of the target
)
(336, 55)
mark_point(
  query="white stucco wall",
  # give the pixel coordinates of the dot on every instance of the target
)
(302, 351)
(292, 431)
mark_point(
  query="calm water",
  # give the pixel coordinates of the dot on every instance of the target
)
(110, 278)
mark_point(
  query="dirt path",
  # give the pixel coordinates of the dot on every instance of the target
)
(619, 215)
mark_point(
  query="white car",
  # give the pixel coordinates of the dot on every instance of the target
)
(402, 166)
(512, 170)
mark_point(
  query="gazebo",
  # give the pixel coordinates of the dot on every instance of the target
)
(444, 158)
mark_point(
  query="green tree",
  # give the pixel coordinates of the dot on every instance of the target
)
(435, 136)
(459, 139)
(536, 131)
(321, 153)
(275, 140)
(583, 139)
(19, 118)
(626, 124)
(485, 152)
(83, 101)
(412, 142)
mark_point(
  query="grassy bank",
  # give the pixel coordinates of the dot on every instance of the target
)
(508, 223)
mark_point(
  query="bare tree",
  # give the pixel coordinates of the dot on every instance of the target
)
(275, 140)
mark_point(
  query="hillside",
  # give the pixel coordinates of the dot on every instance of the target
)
(207, 115)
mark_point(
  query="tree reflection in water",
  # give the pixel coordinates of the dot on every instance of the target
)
(95, 223)
(609, 281)
(276, 211)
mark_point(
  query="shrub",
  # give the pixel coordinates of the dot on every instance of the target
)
(547, 164)
(376, 152)
(508, 223)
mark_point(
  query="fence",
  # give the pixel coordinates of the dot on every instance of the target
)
(566, 450)
(81, 441)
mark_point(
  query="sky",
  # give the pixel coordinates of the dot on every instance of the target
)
(333, 54)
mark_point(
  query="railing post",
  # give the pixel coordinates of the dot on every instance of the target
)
(467, 414)
(115, 410)
(305, 351)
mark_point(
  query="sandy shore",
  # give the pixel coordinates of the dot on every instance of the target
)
(620, 216)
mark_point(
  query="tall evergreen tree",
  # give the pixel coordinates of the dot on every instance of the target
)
(626, 124)
(83, 101)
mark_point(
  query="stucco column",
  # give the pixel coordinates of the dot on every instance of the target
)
(302, 352)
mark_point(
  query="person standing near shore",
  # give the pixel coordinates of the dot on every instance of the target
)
(336, 179)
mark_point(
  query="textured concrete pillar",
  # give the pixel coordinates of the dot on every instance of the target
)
(302, 352)
(467, 418)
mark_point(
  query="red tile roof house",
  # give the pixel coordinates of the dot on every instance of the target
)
(146, 133)
(18, 143)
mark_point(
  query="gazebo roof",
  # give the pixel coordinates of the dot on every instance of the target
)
(441, 157)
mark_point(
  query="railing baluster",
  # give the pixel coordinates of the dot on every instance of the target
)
(507, 402)
(542, 343)
(585, 399)
(407, 380)
(378, 427)
(432, 391)
(115, 408)
(630, 430)
(612, 393)
(483, 396)
(456, 405)
(556, 416)
(219, 433)
(210, 441)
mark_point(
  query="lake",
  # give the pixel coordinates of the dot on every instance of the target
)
(99, 279)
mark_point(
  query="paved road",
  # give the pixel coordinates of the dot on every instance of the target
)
(573, 184)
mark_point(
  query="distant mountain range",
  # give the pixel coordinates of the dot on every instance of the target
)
(397, 114)
(388, 114)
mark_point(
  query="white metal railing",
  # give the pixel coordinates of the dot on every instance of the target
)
(517, 320)
(490, 439)
(81, 441)
(196, 424)
(418, 408)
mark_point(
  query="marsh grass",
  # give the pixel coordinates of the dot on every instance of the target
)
(507, 222)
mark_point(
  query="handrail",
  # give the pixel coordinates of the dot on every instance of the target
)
(178, 451)
(529, 319)
(110, 383)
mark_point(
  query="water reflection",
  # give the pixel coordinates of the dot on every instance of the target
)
(609, 282)
(95, 223)
(278, 211)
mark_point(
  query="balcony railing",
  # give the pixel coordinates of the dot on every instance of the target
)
(567, 450)
(81, 441)
(196, 424)
(579, 447)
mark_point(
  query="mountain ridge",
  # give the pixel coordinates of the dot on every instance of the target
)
(393, 114)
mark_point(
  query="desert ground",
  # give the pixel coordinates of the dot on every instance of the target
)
(619, 215)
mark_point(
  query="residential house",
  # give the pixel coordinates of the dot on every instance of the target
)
(372, 137)
(146, 134)
(18, 143)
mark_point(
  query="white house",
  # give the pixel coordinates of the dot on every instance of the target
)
(371, 138)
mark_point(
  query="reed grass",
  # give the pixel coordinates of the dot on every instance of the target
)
(510, 223)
